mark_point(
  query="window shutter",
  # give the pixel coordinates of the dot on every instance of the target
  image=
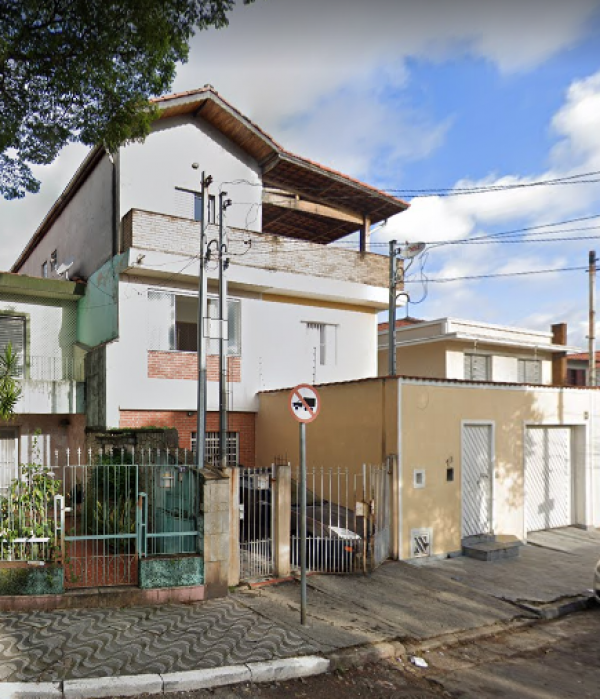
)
(234, 316)
(12, 331)
(161, 320)
(477, 367)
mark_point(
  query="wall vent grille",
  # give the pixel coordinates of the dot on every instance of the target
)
(420, 542)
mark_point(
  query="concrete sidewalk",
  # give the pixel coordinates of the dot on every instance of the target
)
(399, 602)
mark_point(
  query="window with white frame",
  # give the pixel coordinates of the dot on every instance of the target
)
(477, 367)
(212, 447)
(322, 342)
(173, 323)
(530, 371)
(45, 270)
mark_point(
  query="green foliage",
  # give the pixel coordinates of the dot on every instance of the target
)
(10, 388)
(111, 497)
(83, 70)
(24, 513)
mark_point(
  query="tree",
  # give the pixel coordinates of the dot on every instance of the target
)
(10, 388)
(83, 70)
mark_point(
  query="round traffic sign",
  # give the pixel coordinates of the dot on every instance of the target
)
(305, 403)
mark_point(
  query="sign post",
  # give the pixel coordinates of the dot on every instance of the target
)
(305, 405)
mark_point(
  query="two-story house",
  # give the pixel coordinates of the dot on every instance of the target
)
(38, 318)
(300, 309)
(450, 348)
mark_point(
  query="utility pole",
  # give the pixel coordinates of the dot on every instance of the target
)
(392, 310)
(592, 322)
(223, 333)
(201, 344)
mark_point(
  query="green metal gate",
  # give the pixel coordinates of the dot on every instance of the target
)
(119, 509)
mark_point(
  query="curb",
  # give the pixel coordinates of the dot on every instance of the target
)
(554, 611)
(133, 685)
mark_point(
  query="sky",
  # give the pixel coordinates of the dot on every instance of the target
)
(425, 99)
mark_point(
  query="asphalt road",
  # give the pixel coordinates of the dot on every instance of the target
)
(558, 659)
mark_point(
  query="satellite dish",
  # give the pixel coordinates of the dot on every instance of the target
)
(64, 267)
(410, 250)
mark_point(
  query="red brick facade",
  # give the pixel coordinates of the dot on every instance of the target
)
(185, 423)
(184, 365)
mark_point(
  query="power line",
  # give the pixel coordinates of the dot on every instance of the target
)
(445, 280)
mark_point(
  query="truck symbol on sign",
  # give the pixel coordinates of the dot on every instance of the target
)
(298, 404)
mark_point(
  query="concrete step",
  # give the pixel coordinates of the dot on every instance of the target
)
(500, 548)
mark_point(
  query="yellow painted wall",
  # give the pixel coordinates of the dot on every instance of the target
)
(417, 360)
(357, 424)
(431, 439)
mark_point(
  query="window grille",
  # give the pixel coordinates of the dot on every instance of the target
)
(212, 447)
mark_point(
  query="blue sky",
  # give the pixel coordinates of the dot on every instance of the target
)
(415, 94)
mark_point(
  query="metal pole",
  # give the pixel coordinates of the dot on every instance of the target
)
(303, 523)
(592, 322)
(201, 344)
(392, 311)
(222, 341)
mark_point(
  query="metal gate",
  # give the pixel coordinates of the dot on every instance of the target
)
(547, 477)
(477, 479)
(256, 523)
(121, 508)
(348, 519)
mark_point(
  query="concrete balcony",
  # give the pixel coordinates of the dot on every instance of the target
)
(52, 385)
(144, 230)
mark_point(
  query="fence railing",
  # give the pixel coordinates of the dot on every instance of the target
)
(98, 513)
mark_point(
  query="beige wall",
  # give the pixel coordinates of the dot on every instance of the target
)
(357, 424)
(432, 418)
(359, 421)
(417, 360)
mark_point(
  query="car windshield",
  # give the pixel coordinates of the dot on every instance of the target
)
(311, 499)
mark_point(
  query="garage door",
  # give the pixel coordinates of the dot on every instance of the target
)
(547, 478)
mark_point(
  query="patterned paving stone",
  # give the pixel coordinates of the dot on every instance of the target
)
(53, 646)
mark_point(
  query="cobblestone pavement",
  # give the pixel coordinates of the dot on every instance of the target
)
(71, 644)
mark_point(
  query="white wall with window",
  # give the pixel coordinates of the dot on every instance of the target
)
(270, 337)
(157, 175)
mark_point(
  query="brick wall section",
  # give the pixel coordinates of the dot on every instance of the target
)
(151, 231)
(184, 365)
(185, 424)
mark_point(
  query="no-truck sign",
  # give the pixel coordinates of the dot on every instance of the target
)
(305, 403)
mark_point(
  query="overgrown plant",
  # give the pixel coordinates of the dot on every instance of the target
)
(26, 531)
(10, 387)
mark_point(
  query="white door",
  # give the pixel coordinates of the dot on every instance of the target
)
(477, 475)
(547, 478)
(8, 459)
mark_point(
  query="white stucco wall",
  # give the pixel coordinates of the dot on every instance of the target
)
(51, 332)
(151, 171)
(274, 354)
(83, 231)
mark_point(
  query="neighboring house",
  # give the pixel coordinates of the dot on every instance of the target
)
(300, 309)
(467, 459)
(449, 348)
(578, 366)
(38, 317)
